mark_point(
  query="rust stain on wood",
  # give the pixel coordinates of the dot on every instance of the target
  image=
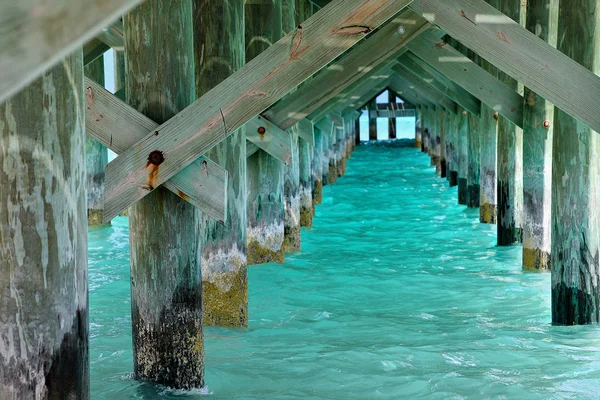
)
(89, 95)
(502, 36)
(155, 158)
(183, 195)
(464, 15)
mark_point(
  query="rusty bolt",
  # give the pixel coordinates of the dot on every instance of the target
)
(261, 130)
(156, 157)
(401, 30)
(546, 124)
(496, 116)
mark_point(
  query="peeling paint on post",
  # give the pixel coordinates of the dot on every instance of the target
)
(317, 168)
(96, 155)
(510, 146)
(473, 188)
(166, 286)
(576, 184)
(463, 155)
(219, 52)
(43, 256)
(538, 116)
(265, 174)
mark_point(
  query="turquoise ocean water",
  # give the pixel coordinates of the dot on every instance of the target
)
(398, 293)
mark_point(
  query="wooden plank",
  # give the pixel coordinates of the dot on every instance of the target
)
(93, 49)
(385, 44)
(118, 126)
(325, 125)
(519, 53)
(305, 131)
(36, 34)
(408, 92)
(431, 94)
(112, 35)
(242, 96)
(441, 83)
(268, 137)
(470, 76)
(251, 148)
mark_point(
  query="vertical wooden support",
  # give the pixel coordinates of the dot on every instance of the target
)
(219, 52)
(306, 178)
(119, 70)
(538, 115)
(291, 190)
(357, 132)
(166, 286)
(463, 155)
(438, 140)
(510, 145)
(452, 149)
(576, 183)
(265, 174)
(474, 167)
(43, 257)
(425, 129)
(372, 107)
(96, 155)
(340, 156)
(442, 125)
(317, 167)
(332, 163)
(418, 127)
(392, 126)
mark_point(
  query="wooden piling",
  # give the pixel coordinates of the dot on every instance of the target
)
(418, 128)
(164, 230)
(576, 183)
(510, 145)
(463, 155)
(317, 168)
(265, 174)
(538, 116)
(452, 149)
(372, 108)
(219, 52)
(474, 166)
(443, 162)
(96, 155)
(43, 257)
(306, 178)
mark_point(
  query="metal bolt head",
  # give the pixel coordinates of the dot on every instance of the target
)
(261, 130)
(546, 124)
(401, 30)
(496, 116)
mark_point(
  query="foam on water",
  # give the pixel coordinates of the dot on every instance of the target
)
(397, 293)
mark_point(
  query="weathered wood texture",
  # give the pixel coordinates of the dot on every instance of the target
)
(219, 52)
(306, 152)
(383, 45)
(576, 182)
(467, 74)
(431, 94)
(538, 116)
(118, 126)
(440, 82)
(372, 106)
(442, 128)
(452, 149)
(119, 70)
(510, 146)
(37, 34)
(474, 167)
(265, 174)
(164, 230)
(270, 138)
(463, 127)
(43, 231)
(96, 155)
(250, 90)
(317, 167)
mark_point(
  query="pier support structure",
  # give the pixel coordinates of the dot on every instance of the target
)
(265, 174)
(462, 129)
(43, 257)
(219, 52)
(576, 184)
(473, 185)
(317, 167)
(164, 230)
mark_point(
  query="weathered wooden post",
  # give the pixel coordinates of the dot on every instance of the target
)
(473, 137)
(442, 125)
(96, 155)
(576, 183)
(166, 285)
(219, 52)
(306, 176)
(425, 130)
(372, 108)
(43, 257)
(119, 70)
(510, 145)
(265, 174)
(317, 167)
(291, 220)
(392, 125)
(462, 129)
(418, 127)
(538, 115)
(452, 149)
(434, 137)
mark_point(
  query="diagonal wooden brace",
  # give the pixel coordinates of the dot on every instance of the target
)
(242, 96)
(118, 126)
(306, 132)
(267, 136)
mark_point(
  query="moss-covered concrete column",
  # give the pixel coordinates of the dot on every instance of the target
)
(474, 167)
(219, 52)
(576, 183)
(96, 155)
(164, 230)
(462, 121)
(538, 116)
(317, 167)
(265, 174)
(510, 146)
(43, 231)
